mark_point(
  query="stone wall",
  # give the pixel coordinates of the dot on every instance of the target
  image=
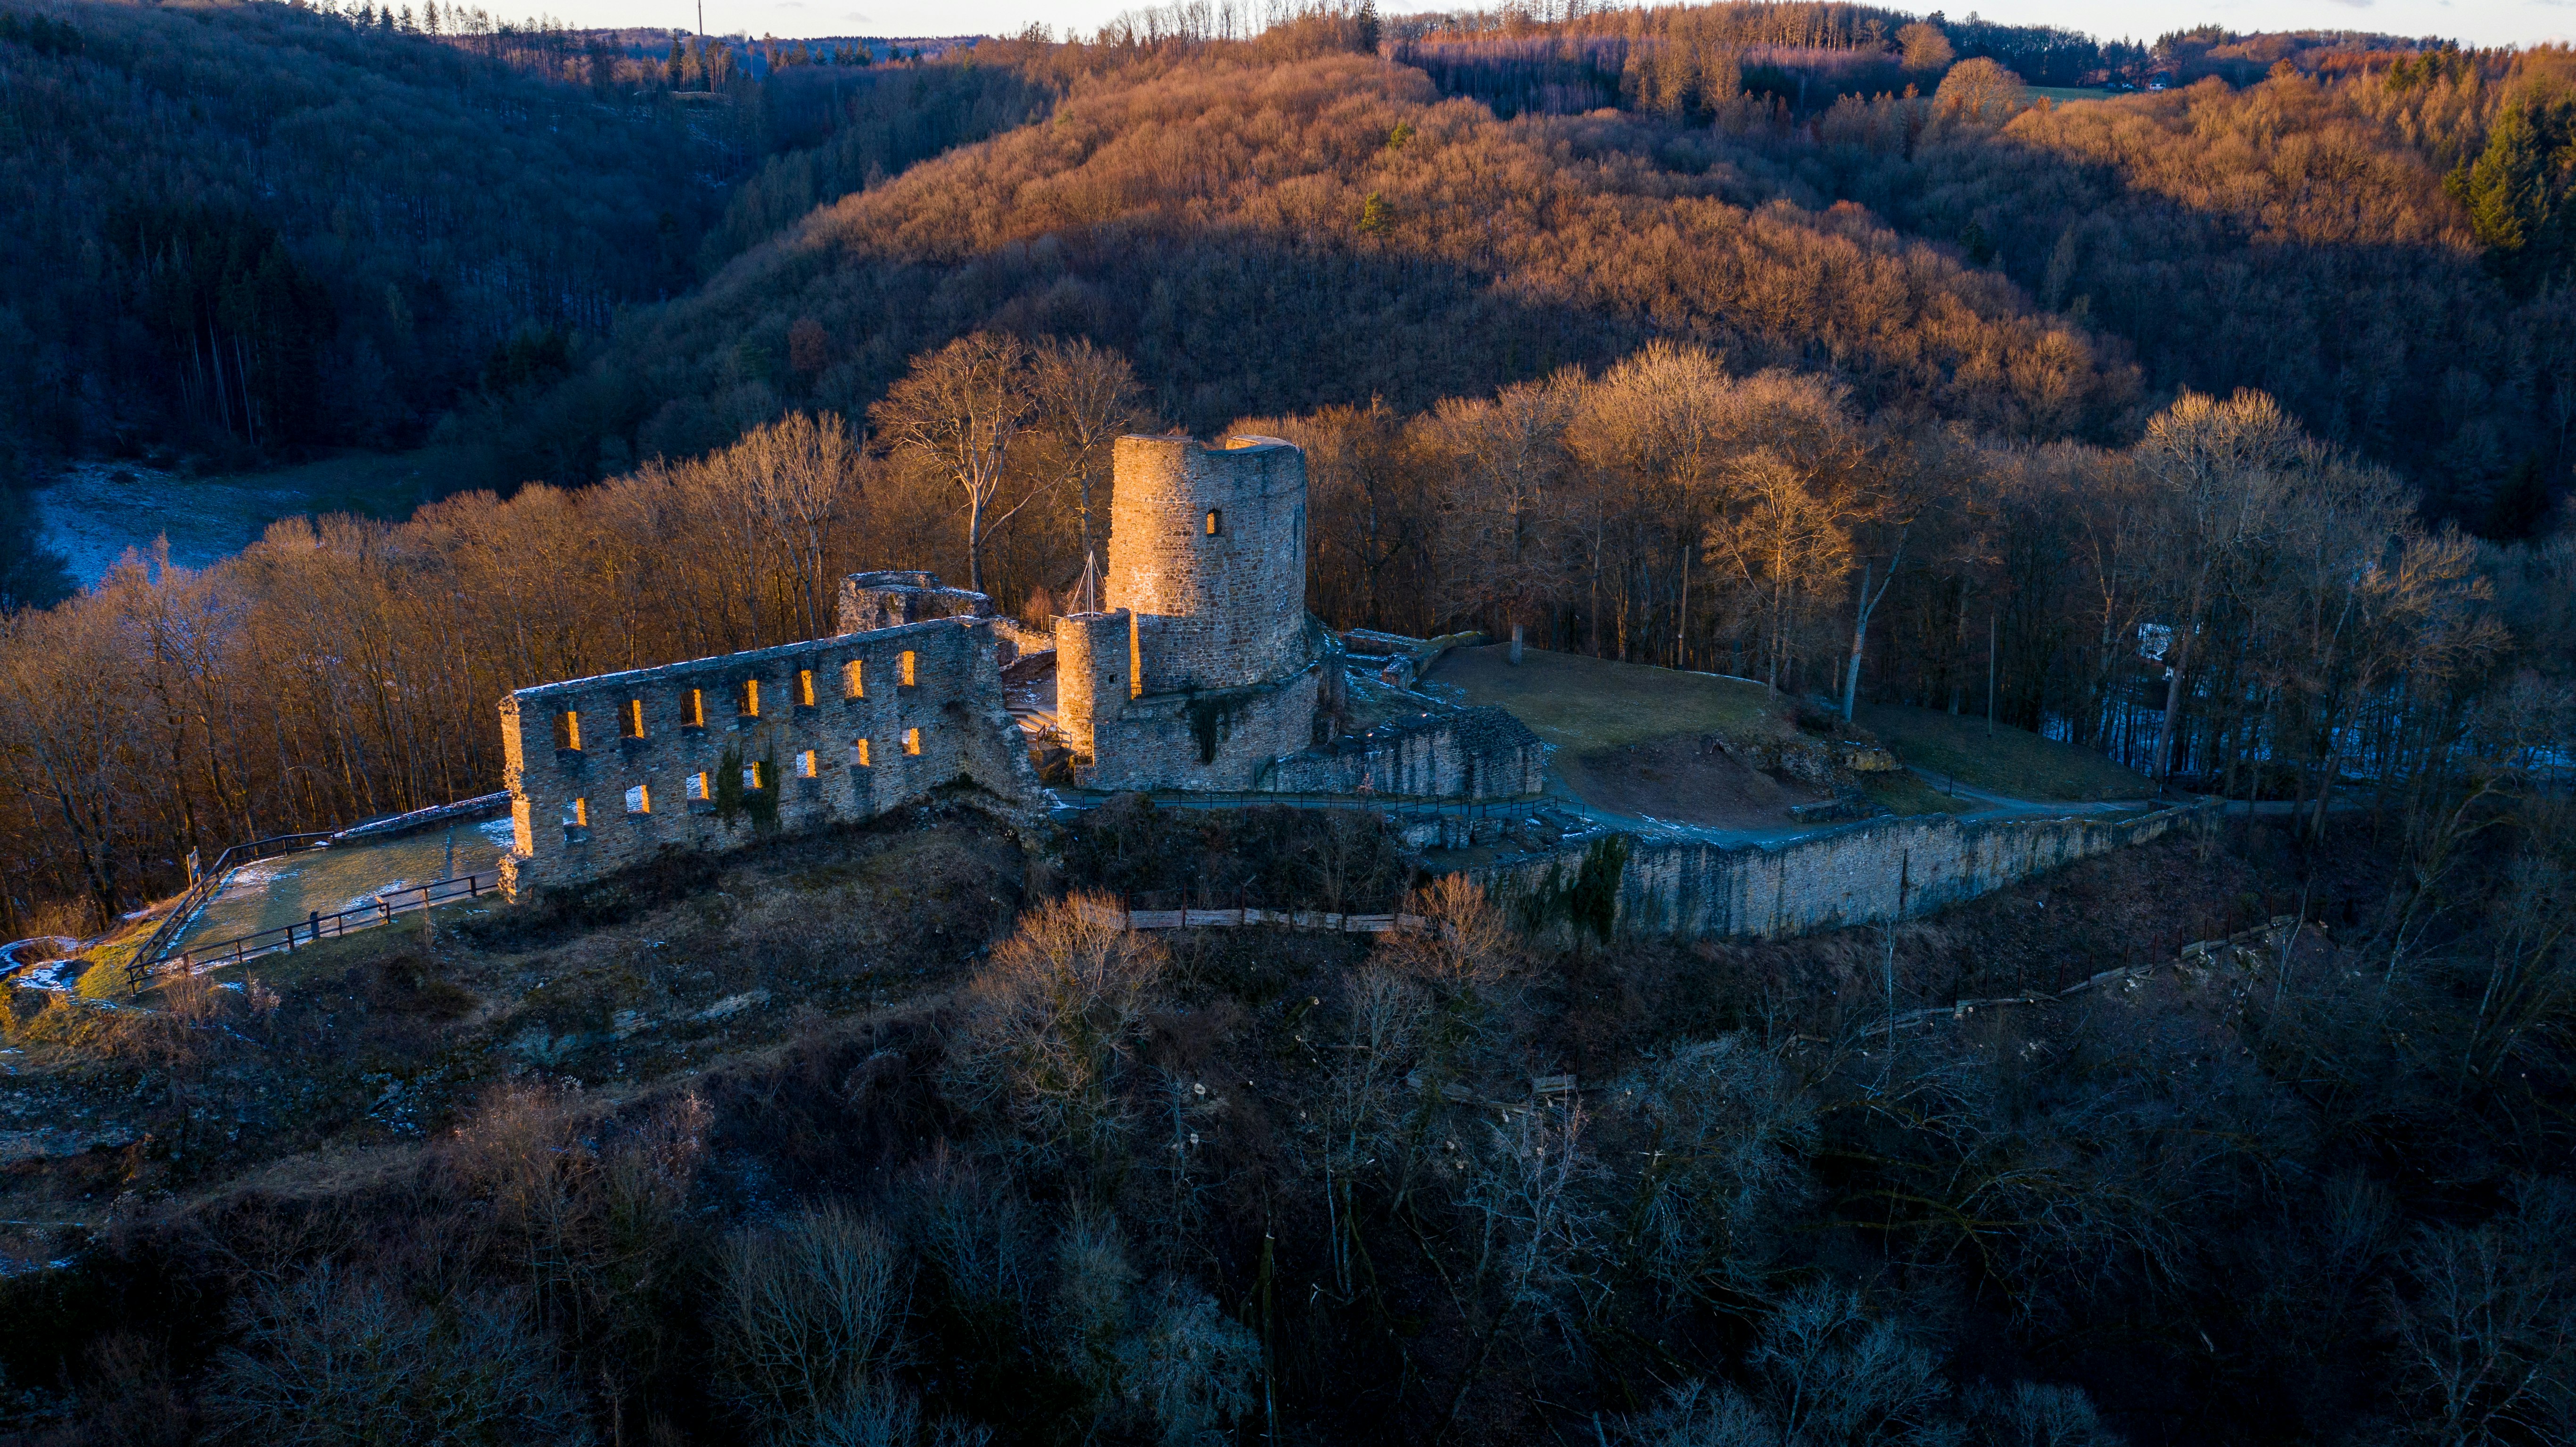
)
(870, 601)
(1860, 874)
(1209, 544)
(1221, 739)
(641, 750)
(1473, 753)
(1091, 675)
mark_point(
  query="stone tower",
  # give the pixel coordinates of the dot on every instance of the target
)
(1218, 674)
(1210, 544)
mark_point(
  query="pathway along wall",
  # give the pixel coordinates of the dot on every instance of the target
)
(1865, 873)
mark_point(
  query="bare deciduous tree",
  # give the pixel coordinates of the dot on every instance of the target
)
(958, 412)
(1052, 1021)
(810, 1314)
(1086, 398)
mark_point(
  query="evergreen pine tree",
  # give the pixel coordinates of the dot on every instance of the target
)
(2521, 191)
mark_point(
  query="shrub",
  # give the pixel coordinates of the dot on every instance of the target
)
(1051, 1023)
(336, 1359)
(809, 1316)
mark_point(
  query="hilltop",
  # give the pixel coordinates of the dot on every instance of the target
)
(601, 1113)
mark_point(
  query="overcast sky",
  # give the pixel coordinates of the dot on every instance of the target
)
(2472, 22)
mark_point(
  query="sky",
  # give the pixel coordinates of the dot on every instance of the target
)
(2471, 22)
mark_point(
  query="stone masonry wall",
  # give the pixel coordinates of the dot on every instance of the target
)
(1861, 874)
(1164, 741)
(1091, 671)
(1228, 607)
(870, 601)
(1474, 753)
(803, 730)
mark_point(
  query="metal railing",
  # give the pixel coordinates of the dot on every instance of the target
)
(316, 927)
(209, 880)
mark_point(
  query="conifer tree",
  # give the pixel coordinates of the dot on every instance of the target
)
(2521, 192)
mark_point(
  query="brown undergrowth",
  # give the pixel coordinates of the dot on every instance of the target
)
(1092, 1185)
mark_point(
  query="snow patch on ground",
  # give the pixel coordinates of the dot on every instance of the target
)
(94, 511)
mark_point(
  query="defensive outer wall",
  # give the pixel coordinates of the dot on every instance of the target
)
(609, 771)
(1864, 873)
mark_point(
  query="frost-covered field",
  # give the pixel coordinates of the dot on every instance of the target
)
(94, 511)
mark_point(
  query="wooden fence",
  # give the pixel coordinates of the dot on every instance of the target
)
(1148, 919)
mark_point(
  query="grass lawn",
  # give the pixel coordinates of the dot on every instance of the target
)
(1582, 704)
(1900, 793)
(2013, 762)
(2069, 92)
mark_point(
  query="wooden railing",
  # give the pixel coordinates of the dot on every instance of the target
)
(284, 939)
(1126, 918)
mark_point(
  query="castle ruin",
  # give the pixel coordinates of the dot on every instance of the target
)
(1202, 671)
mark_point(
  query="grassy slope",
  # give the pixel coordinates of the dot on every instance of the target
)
(1584, 704)
(2009, 761)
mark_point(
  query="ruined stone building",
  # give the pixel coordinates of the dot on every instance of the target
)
(606, 772)
(1201, 671)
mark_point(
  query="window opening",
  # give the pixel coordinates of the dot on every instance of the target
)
(859, 754)
(1215, 523)
(693, 708)
(912, 741)
(906, 677)
(854, 682)
(808, 765)
(630, 718)
(748, 703)
(568, 730)
(702, 786)
(577, 814)
(805, 688)
(753, 778)
(639, 800)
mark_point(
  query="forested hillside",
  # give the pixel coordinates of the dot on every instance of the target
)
(2297, 236)
(252, 229)
(1291, 222)
(248, 230)
(1263, 231)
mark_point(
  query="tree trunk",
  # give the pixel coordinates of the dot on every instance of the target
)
(1516, 643)
(1860, 640)
(2177, 655)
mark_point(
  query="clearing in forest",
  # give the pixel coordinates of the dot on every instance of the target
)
(1633, 739)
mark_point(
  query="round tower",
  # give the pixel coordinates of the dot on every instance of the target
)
(1207, 549)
